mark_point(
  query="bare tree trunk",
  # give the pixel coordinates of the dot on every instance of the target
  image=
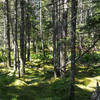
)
(58, 37)
(73, 52)
(4, 41)
(36, 44)
(18, 65)
(8, 36)
(22, 51)
(25, 31)
(25, 47)
(41, 33)
(28, 23)
(63, 51)
(4, 36)
(28, 56)
(80, 5)
(54, 38)
(15, 39)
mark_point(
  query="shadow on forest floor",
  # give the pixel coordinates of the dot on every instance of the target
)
(35, 86)
(88, 71)
(38, 83)
(32, 87)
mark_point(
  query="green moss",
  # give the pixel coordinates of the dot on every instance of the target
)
(39, 84)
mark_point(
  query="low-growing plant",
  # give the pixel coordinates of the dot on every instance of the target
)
(3, 58)
(91, 58)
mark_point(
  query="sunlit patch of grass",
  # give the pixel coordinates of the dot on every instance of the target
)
(85, 87)
(98, 52)
(14, 98)
(35, 84)
(87, 78)
(48, 67)
(88, 83)
(39, 83)
(52, 80)
(30, 63)
(2, 64)
(18, 82)
(4, 70)
(50, 48)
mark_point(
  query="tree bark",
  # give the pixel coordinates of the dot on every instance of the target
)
(41, 33)
(54, 39)
(28, 56)
(15, 39)
(22, 51)
(58, 37)
(28, 26)
(8, 35)
(63, 51)
(73, 52)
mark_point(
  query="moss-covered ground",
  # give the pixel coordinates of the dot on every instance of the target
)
(38, 82)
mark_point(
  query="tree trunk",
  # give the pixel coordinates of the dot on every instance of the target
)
(25, 47)
(18, 65)
(63, 51)
(28, 56)
(8, 36)
(41, 33)
(22, 51)
(58, 37)
(28, 26)
(15, 39)
(73, 52)
(54, 39)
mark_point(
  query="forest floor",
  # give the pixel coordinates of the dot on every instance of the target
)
(38, 82)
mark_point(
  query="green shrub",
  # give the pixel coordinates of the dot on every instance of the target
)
(91, 58)
(3, 58)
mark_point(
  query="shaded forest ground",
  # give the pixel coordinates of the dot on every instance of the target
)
(38, 82)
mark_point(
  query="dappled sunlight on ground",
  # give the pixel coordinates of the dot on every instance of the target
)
(38, 82)
(89, 83)
(18, 82)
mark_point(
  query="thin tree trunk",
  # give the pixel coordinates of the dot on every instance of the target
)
(81, 19)
(4, 41)
(54, 38)
(58, 37)
(18, 65)
(28, 23)
(41, 33)
(36, 44)
(15, 39)
(22, 51)
(63, 51)
(25, 47)
(28, 56)
(73, 52)
(8, 36)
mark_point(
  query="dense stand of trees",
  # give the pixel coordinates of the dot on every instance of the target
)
(64, 25)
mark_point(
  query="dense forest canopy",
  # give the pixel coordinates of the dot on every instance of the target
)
(49, 49)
